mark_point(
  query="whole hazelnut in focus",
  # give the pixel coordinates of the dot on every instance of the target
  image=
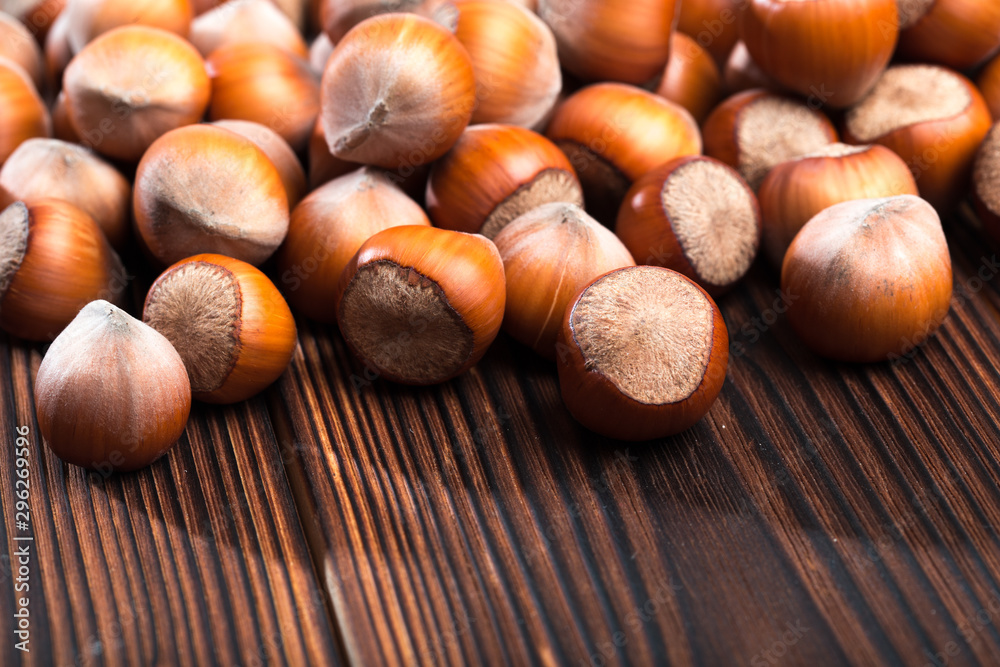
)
(111, 391)
(398, 90)
(202, 189)
(132, 85)
(643, 354)
(868, 280)
(228, 322)
(420, 305)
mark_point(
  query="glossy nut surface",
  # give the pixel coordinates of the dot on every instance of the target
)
(54, 260)
(831, 52)
(397, 91)
(495, 173)
(183, 197)
(329, 226)
(420, 305)
(868, 280)
(228, 322)
(113, 103)
(614, 133)
(611, 40)
(111, 392)
(548, 254)
(643, 354)
(794, 191)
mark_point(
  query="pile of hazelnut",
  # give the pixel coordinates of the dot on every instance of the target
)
(587, 175)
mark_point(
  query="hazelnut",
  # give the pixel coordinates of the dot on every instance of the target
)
(111, 391)
(696, 216)
(132, 85)
(228, 322)
(871, 278)
(420, 305)
(54, 259)
(643, 354)
(495, 173)
(548, 254)
(398, 90)
(936, 134)
(613, 134)
(207, 189)
(329, 227)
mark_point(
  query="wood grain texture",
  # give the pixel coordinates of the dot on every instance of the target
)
(821, 514)
(198, 559)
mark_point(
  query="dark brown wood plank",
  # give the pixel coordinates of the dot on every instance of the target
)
(542, 548)
(821, 514)
(198, 559)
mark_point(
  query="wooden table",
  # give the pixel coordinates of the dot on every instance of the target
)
(821, 514)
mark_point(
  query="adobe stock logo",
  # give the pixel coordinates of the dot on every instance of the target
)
(780, 647)
(753, 329)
